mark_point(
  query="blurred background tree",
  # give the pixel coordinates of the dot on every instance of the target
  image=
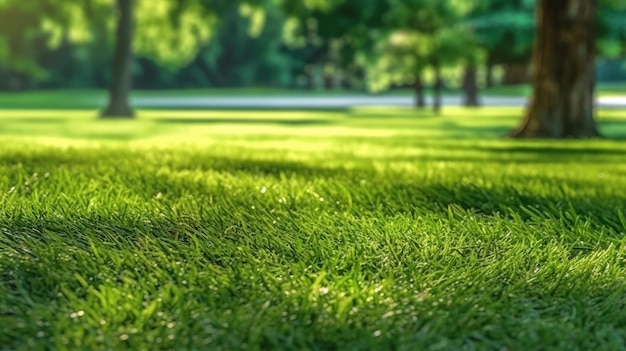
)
(505, 29)
(376, 45)
(426, 37)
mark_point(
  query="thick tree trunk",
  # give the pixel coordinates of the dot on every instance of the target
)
(438, 86)
(470, 86)
(420, 100)
(562, 103)
(119, 91)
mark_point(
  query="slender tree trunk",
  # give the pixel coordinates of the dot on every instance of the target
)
(329, 81)
(309, 73)
(470, 86)
(562, 103)
(119, 90)
(489, 81)
(438, 86)
(420, 100)
(515, 73)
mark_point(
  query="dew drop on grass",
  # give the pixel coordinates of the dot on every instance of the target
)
(388, 314)
(77, 314)
(263, 190)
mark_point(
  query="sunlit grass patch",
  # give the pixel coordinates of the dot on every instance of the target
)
(454, 122)
(364, 229)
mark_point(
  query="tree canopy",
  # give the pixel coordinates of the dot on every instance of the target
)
(359, 43)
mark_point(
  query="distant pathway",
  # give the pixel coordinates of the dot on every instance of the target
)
(331, 101)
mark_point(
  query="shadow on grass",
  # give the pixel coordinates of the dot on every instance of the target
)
(281, 109)
(600, 208)
(552, 153)
(540, 154)
(398, 195)
(35, 120)
(470, 132)
(294, 122)
(572, 212)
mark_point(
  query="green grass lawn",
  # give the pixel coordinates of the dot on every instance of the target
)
(294, 230)
(602, 89)
(88, 99)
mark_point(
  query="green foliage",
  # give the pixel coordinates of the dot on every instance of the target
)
(421, 34)
(168, 31)
(332, 34)
(247, 46)
(200, 43)
(612, 70)
(172, 32)
(504, 28)
(20, 33)
(170, 36)
(612, 32)
(287, 230)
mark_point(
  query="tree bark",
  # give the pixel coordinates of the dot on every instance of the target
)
(562, 103)
(438, 86)
(470, 86)
(420, 100)
(119, 91)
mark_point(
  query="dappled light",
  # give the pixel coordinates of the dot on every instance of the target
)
(312, 175)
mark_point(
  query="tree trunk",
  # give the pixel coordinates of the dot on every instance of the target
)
(515, 74)
(438, 86)
(119, 90)
(489, 81)
(470, 86)
(420, 100)
(562, 103)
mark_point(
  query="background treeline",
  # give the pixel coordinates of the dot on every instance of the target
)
(359, 44)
